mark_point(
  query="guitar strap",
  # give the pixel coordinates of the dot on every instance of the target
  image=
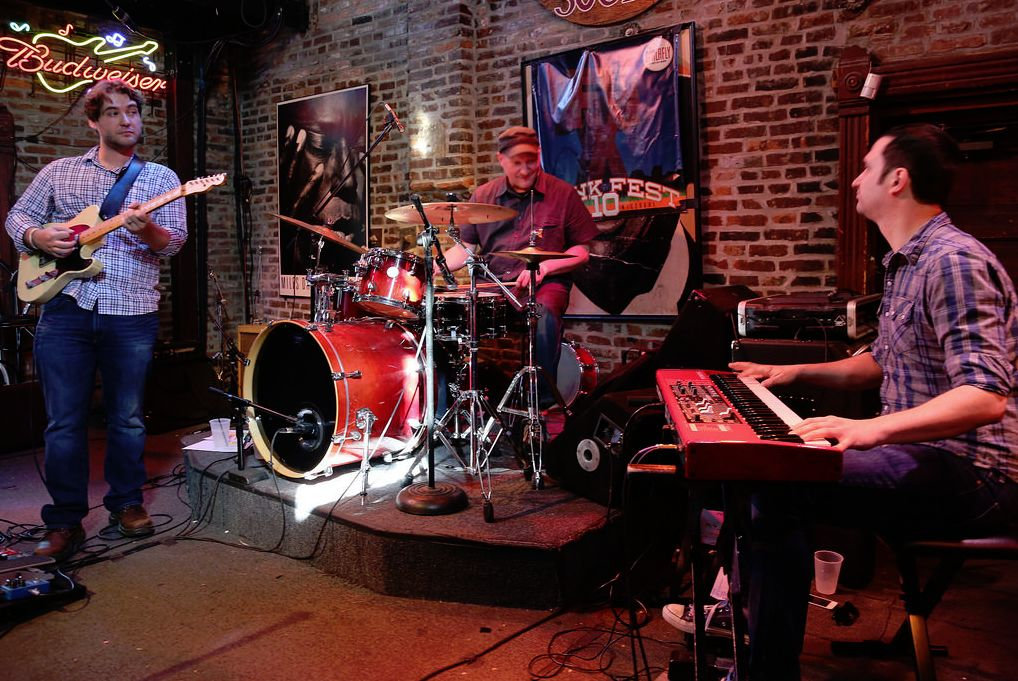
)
(118, 192)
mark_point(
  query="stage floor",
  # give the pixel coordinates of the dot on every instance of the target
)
(546, 547)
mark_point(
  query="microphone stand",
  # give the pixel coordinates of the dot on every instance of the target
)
(419, 498)
(239, 405)
(390, 122)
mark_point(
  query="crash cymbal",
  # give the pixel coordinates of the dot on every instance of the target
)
(531, 254)
(325, 232)
(461, 213)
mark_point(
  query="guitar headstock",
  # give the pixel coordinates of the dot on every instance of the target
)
(203, 184)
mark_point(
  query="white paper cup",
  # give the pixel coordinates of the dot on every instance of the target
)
(220, 433)
(826, 568)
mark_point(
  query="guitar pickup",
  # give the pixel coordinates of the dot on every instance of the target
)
(42, 279)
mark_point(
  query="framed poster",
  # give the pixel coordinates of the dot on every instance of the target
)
(319, 141)
(618, 120)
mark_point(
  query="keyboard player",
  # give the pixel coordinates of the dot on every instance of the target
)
(939, 459)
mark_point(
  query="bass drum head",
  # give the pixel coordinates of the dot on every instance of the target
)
(289, 373)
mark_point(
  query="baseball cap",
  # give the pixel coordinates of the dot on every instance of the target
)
(518, 139)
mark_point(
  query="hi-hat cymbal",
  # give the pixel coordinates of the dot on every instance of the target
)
(461, 213)
(531, 254)
(325, 232)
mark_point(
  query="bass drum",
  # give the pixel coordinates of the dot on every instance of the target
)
(326, 375)
(577, 372)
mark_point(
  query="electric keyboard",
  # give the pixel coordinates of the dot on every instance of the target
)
(732, 428)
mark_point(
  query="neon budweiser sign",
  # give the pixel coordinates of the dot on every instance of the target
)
(105, 60)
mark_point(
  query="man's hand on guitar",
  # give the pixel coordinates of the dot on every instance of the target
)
(136, 220)
(55, 240)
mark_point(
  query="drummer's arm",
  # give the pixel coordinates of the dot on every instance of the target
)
(580, 257)
(456, 256)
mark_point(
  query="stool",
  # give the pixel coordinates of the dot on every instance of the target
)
(920, 599)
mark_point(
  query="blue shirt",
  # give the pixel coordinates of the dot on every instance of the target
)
(127, 284)
(947, 319)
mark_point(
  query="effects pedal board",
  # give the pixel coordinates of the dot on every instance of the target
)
(28, 587)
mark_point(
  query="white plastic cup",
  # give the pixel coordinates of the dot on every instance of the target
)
(826, 568)
(220, 433)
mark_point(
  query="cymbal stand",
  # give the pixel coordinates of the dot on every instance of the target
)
(524, 386)
(428, 499)
(472, 402)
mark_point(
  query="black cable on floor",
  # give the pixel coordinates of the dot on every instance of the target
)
(494, 646)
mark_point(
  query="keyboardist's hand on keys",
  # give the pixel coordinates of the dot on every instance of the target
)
(842, 433)
(769, 375)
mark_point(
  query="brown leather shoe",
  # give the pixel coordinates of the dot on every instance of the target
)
(60, 543)
(132, 521)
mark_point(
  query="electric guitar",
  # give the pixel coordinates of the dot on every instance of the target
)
(42, 276)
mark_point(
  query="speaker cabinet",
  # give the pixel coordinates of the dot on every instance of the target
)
(590, 455)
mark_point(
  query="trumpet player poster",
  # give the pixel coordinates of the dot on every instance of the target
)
(319, 141)
(618, 121)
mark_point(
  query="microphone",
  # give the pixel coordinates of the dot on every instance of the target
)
(395, 118)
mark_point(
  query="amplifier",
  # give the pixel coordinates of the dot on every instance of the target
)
(836, 315)
(590, 455)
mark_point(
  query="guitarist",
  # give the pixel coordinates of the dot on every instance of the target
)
(107, 322)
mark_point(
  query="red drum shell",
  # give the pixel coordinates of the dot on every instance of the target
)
(577, 372)
(391, 283)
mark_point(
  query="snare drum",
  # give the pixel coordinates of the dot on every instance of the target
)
(577, 372)
(331, 372)
(451, 315)
(391, 283)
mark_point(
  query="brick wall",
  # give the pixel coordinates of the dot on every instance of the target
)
(451, 70)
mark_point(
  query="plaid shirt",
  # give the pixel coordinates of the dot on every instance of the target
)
(948, 318)
(127, 283)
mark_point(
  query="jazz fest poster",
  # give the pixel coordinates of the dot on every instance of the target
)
(319, 141)
(618, 121)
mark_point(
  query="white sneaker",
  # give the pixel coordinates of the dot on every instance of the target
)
(718, 618)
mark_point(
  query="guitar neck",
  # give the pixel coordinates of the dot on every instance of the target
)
(106, 226)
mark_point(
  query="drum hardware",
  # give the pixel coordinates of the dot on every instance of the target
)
(365, 420)
(421, 499)
(343, 375)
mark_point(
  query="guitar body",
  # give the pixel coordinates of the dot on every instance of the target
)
(41, 276)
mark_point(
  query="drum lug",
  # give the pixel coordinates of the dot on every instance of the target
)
(343, 375)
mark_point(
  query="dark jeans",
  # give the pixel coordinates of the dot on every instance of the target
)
(70, 344)
(902, 492)
(552, 301)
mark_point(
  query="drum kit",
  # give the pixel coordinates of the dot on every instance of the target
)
(355, 377)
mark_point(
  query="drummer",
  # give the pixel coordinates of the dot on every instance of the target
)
(542, 202)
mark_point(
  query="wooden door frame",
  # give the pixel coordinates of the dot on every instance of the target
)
(908, 88)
